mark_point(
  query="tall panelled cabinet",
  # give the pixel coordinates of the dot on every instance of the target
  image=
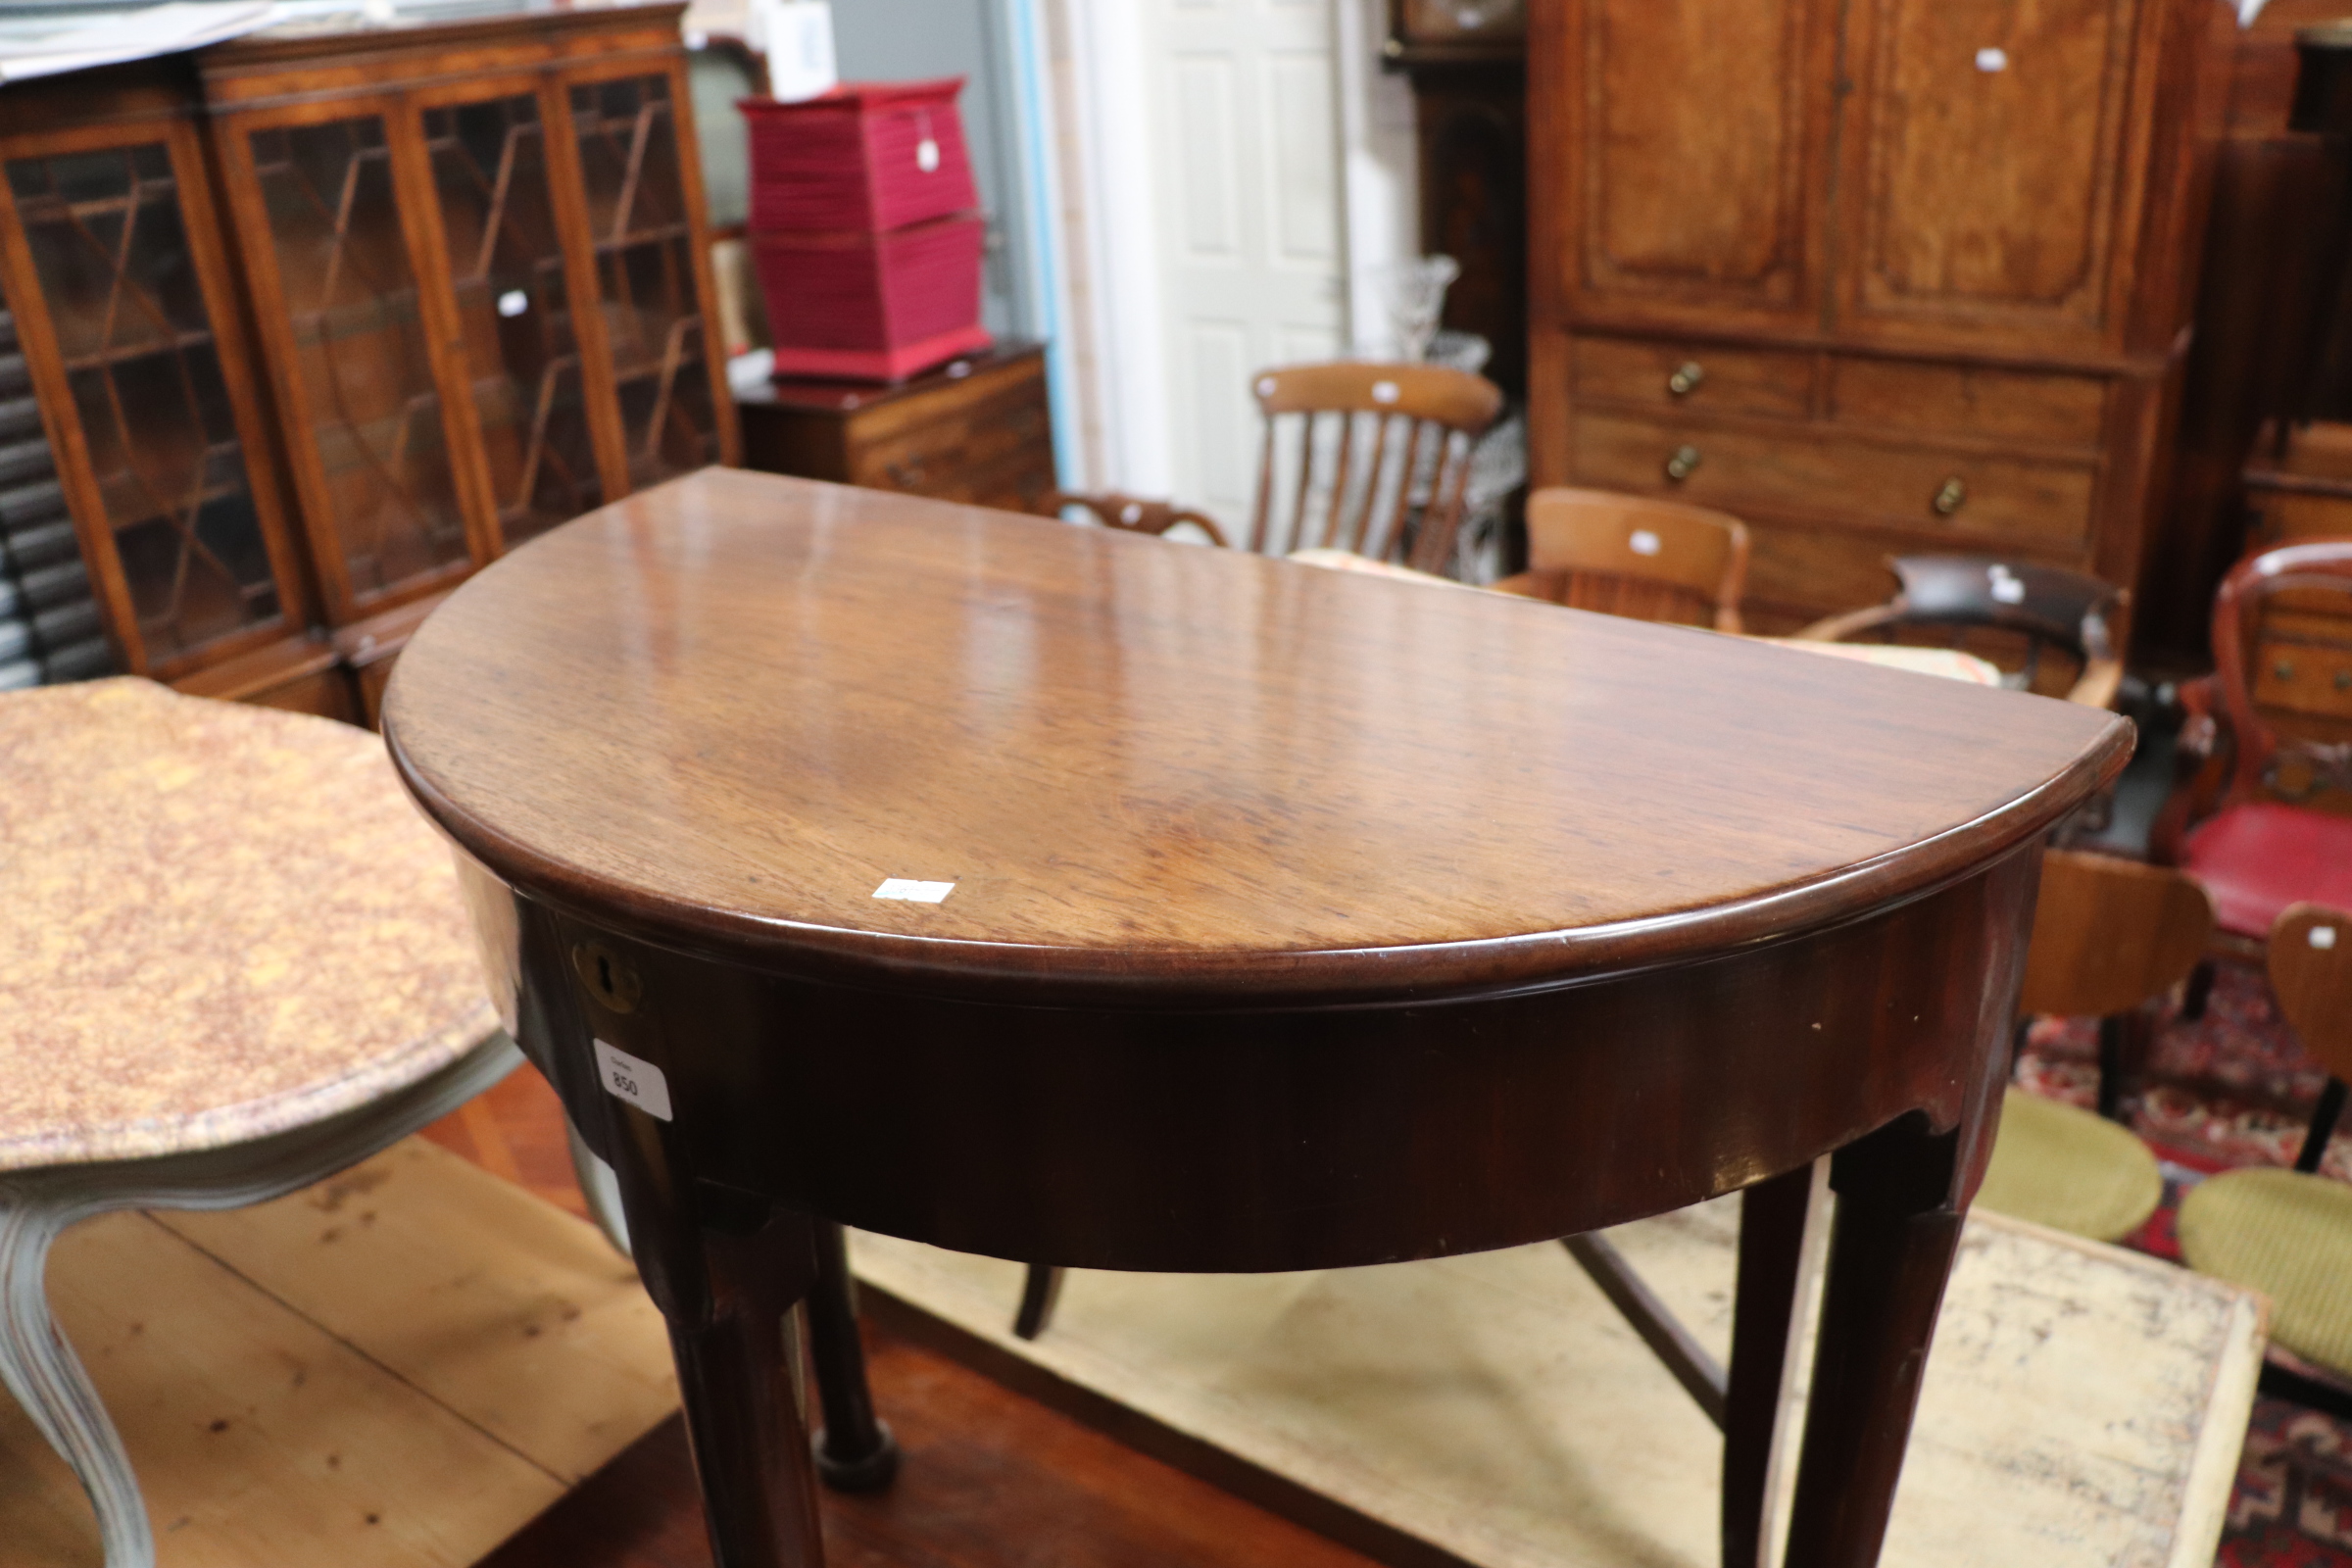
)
(324, 319)
(1877, 275)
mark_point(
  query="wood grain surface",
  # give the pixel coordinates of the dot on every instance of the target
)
(731, 706)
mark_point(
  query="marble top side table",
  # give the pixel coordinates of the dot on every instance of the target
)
(237, 962)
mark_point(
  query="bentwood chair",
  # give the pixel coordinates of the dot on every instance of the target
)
(1983, 600)
(1367, 458)
(2269, 737)
(1634, 556)
(2289, 1233)
(2111, 938)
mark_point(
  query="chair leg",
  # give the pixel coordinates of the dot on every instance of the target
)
(2198, 989)
(1039, 1291)
(41, 1370)
(855, 1451)
(2111, 1068)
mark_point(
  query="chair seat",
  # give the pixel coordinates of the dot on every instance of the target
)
(2071, 1170)
(2289, 1235)
(2257, 859)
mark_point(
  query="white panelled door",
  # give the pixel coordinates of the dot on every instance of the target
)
(1245, 140)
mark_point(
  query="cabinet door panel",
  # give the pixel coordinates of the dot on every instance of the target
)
(1984, 153)
(506, 271)
(646, 270)
(381, 473)
(132, 325)
(1695, 184)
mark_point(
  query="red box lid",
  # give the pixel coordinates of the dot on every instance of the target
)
(866, 155)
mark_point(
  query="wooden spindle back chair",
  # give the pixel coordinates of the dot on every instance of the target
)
(1113, 508)
(1390, 481)
(1634, 556)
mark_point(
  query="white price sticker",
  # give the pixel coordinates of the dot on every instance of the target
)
(900, 887)
(639, 1082)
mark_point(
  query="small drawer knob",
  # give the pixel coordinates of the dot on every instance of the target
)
(1685, 378)
(2344, 680)
(1950, 496)
(2284, 670)
(1682, 463)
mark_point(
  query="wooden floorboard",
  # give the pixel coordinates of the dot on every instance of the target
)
(991, 1479)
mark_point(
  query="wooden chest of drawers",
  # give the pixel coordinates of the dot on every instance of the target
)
(978, 430)
(1878, 277)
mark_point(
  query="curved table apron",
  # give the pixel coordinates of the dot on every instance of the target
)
(1182, 1018)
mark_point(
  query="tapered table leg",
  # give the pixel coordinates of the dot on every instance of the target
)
(1772, 1239)
(751, 1452)
(1890, 1253)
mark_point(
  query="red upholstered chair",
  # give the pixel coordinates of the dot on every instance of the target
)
(2270, 734)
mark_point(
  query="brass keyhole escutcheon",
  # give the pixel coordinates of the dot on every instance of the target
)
(1950, 496)
(610, 981)
(1685, 378)
(1682, 463)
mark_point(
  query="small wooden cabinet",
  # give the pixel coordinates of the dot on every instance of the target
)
(1887, 275)
(323, 319)
(977, 430)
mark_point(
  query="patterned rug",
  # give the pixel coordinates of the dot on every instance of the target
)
(2227, 1089)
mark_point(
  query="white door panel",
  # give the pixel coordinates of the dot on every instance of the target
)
(1250, 249)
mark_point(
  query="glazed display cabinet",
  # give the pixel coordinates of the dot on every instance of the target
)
(324, 319)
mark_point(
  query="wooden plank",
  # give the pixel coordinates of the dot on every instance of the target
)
(519, 1319)
(259, 1436)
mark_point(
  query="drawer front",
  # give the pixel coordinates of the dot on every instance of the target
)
(932, 460)
(2282, 517)
(2045, 502)
(2304, 678)
(1692, 375)
(1966, 400)
(1806, 573)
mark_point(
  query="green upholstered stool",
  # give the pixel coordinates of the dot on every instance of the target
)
(2071, 1170)
(2285, 1233)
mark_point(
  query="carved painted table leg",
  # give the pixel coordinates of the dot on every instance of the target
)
(36, 1207)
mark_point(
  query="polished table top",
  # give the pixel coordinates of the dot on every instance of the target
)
(735, 705)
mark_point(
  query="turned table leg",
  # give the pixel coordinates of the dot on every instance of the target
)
(1890, 1253)
(856, 1451)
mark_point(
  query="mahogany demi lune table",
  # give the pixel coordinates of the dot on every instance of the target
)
(1292, 919)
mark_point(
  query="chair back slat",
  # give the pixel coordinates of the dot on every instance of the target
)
(2311, 971)
(1634, 556)
(1374, 468)
(2110, 934)
(1350, 480)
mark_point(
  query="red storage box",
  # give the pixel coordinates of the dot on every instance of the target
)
(873, 307)
(856, 158)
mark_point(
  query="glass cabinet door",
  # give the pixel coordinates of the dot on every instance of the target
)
(134, 334)
(382, 476)
(645, 269)
(506, 268)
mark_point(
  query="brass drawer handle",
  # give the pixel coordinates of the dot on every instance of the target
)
(1681, 462)
(2284, 670)
(906, 476)
(1950, 498)
(1685, 378)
